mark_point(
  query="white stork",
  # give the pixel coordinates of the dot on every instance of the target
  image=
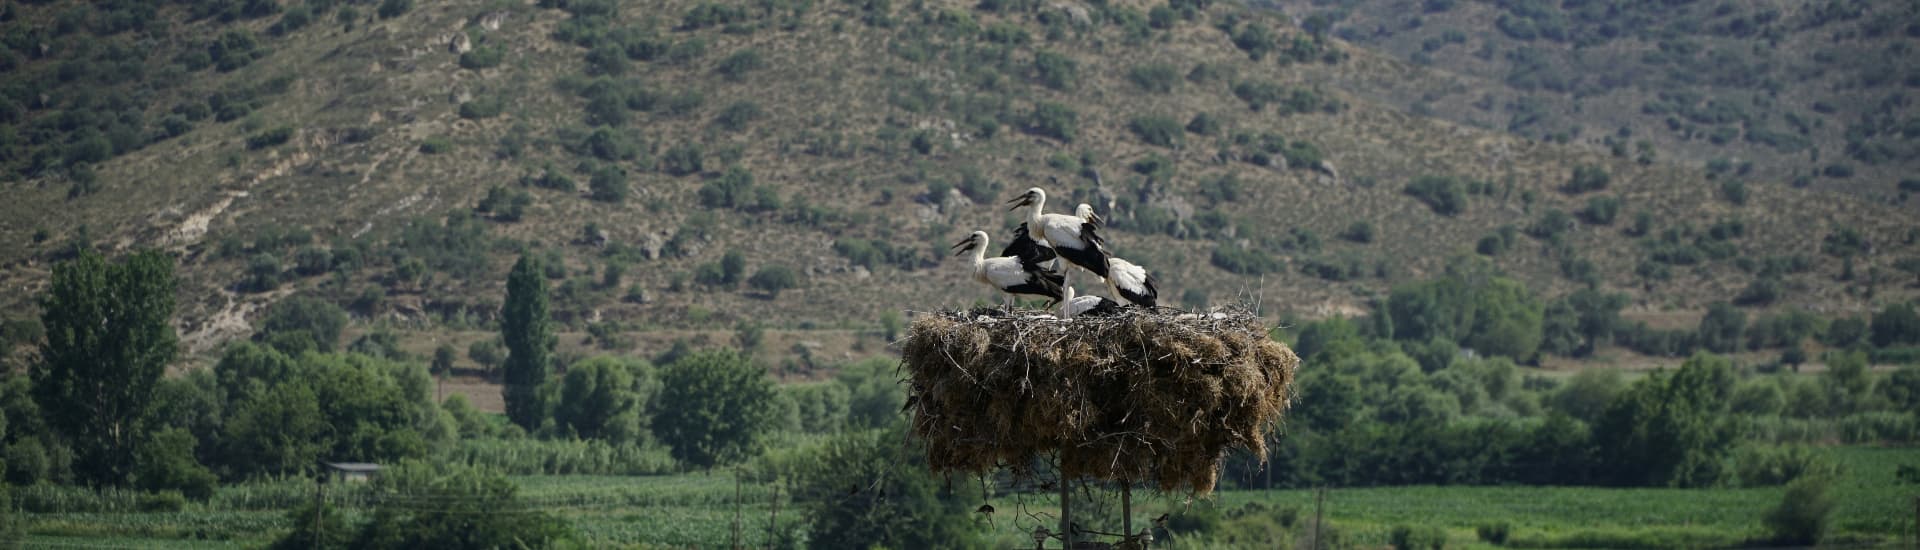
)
(1075, 239)
(1125, 279)
(1092, 306)
(1008, 274)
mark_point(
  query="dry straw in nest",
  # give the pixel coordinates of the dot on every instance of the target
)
(1147, 395)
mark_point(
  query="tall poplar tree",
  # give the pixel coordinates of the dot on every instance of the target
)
(107, 344)
(528, 333)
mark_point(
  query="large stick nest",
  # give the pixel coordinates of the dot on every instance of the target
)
(1148, 395)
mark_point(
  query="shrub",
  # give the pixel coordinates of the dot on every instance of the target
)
(1494, 533)
(1359, 232)
(1205, 124)
(735, 67)
(1445, 195)
(1587, 177)
(483, 57)
(609, 184)
(1159, 78)
(1258, 93)
(773, 279)
(270, 138)
(737, 116)
(1601, 210)
(1055, 71)
(484, 107)
(394, 8)
(1157, 130)
(1801, 517)
(1422, 537)
(1053, 120)
(436, 145)
(683, 159)
(1244, 261)
(1769, 466)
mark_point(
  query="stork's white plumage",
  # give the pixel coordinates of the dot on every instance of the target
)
(1131, 283)
(1125, 279)
(1008, 274)
(1075, 239)
(1093, 306)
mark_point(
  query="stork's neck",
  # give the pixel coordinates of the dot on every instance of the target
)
(980, 257)
(1033, 215)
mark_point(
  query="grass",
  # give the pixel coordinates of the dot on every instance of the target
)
(697, 510)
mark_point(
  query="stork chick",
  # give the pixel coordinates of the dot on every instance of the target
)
(1132, 283)
(1091, 306)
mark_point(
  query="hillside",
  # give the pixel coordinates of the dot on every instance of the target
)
(361, 157)
(1812, 94)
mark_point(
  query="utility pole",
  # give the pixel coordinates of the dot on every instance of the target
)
(774, 521)
(1319, 499)
(1066, 508)
(736, 511)
(319, 505)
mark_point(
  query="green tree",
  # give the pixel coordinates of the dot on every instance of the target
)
(528, 333)
(894, 502)
(714, 408)
(1896, 325)
(1665, 430)
(279, 430)
(443, 359)
(875, 396)
(1721, 329)
(107, 343)
(319, 319)
(605, 398)
(166, 462)
(1586, 395)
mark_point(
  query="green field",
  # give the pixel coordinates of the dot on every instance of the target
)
(697, 510)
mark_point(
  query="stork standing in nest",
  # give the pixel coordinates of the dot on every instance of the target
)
(1125, 280)
(1075, 239)
(1009, 274)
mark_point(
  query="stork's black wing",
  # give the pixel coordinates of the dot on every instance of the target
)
(1031, 253)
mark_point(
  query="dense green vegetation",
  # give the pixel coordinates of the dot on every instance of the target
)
(1394, 400)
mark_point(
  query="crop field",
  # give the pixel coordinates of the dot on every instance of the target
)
(698, 510)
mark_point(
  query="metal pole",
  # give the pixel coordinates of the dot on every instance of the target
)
(1126, 508)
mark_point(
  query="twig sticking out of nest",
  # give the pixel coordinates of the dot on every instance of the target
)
(1149, 395)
